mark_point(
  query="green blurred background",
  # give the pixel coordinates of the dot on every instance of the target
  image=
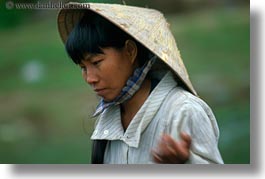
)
(45, 104)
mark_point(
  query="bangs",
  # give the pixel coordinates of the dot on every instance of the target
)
(90, 35)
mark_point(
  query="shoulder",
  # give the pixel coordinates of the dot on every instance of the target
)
(183, 108)
(180, 98)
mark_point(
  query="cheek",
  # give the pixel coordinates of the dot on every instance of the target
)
(118, 73)
(123, 73)
(116, 70)
(126, 68)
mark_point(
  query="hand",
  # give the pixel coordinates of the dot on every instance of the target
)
(171, 151)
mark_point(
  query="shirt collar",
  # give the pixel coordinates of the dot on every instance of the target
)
(109, 127)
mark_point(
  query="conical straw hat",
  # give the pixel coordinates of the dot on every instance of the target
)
(148, 26)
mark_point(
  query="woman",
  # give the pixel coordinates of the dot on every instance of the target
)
(149, 111)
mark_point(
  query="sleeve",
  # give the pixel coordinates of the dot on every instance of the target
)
(197, 120)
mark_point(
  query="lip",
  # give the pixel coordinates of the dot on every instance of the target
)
(101, 91)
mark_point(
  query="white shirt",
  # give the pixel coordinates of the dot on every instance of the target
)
(168, 109)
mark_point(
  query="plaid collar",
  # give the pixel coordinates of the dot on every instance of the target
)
(132, 86)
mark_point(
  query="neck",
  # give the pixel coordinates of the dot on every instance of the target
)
(131, 107)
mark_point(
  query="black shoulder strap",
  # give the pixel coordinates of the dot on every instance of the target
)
(98, 150)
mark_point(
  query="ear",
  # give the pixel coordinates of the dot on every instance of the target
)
(131, 50)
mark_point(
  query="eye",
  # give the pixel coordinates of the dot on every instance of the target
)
(96, 62)
(83, 68)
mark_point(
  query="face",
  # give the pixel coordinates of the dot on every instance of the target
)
(107, 73)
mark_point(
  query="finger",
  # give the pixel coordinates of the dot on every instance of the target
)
(186, 139)
(170, 151)
(184, 136)
(167, 151)
(156, 157)
(168, 146)
(164, 158)
(182, 151)
(172, 143)
(168, 140)
(178, 149)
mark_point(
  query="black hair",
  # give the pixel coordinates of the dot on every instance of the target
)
(94, 32)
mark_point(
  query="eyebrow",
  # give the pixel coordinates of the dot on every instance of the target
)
(89, 56)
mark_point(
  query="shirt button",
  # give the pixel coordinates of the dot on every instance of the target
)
(106, 132)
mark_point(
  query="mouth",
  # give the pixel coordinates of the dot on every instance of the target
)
(101, 91)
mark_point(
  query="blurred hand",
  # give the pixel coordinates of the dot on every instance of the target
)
(171, 151)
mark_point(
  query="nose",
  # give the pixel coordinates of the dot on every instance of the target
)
(91, 78)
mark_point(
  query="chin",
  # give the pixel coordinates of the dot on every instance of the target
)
(107, 99)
